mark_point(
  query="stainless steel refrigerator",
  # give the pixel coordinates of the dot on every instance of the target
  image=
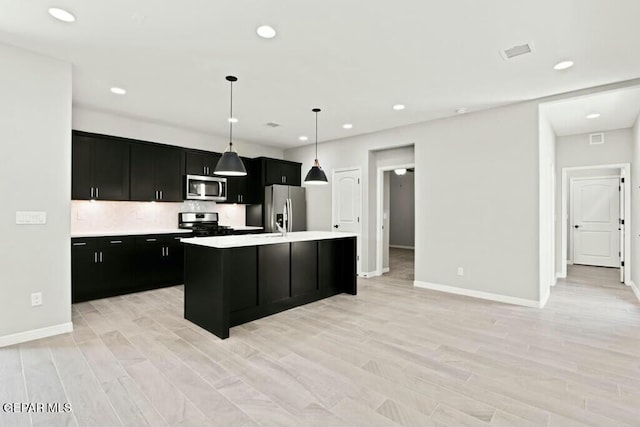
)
(287, 205)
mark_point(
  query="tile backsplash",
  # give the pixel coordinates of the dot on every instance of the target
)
(98, 216)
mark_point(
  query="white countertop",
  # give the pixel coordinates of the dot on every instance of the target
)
(245, 227)
(127, 232)
(264, 239)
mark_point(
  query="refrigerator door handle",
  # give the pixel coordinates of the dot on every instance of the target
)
(290, 215)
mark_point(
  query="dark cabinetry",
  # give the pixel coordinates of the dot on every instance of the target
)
(156, 172)
(101, 267)
(100, 167)
(108, 266)
(200, 163)
(242, 189)
(304, 268)
(281, 172)
(273, 273)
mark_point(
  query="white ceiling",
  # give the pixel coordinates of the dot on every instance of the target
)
(618, 109)
(353, 59)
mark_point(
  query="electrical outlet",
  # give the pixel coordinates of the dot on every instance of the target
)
(31, 218)
(460, 271)
(36, 299)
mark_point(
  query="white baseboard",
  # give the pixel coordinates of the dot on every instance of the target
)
(635, 289)
(369, 274)
(401, 247)
(35, 334)
(561, 276)
(479, 294)
(569, 262)
(385, 270)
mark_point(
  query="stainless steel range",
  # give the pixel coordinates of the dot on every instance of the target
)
(203, 224)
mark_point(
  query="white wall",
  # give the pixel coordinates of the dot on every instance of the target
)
(635, 204)
(386, 183)
(90, 120)
(547, 220)
(35, 110)
(402, 210)
(575, 151)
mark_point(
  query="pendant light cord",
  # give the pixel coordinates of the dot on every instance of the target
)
(231, 120)
(316, 136)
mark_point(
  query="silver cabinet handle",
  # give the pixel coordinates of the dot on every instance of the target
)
(160, 194)
(79, 244)
(178, 238)
(91, 193)
(100, 256)
(97, 192)
(167, 251)
(95, 257)
(162, 251)
(114, 242)
(152, 240)
(156, 195)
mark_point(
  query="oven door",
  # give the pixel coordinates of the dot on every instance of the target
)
(205, 188)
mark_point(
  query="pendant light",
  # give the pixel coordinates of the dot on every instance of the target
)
(230, 163)
(316, 175)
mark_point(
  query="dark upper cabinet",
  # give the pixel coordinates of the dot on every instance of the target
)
(156, 173)
(281, 172)
(100, 167)
(201, 163)
(242, 189)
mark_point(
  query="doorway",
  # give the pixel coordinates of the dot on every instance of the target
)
(347, 205)
(594, 233)
(396, 222)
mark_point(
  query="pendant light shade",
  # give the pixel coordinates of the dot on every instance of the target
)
(316, 175)
(230, 163)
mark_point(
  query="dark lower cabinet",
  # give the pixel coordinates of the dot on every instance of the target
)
(304, 268)
(107, 266)
(225, 287)
(273, 273)
(101, 267)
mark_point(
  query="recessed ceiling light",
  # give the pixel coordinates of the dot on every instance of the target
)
(118, 90)
(232, 120)
(563, 65)
(303, 138)
(461, 110)
(266, 32)
(593, 115)
(398, 107)
(61, 14)
(347, 126)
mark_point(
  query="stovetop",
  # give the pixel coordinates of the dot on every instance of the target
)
(203, 224)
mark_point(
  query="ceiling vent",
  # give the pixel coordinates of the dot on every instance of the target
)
(596, 138)
(514, 51)
(273, 124)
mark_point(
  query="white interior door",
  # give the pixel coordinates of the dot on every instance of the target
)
(347, 196)
(595, 215)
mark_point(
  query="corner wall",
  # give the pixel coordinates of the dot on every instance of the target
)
(35, 107)
(635, 206)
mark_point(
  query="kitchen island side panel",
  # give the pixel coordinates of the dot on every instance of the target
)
(206, 292)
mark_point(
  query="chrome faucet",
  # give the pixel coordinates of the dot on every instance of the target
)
(285, 220)
(281, 230)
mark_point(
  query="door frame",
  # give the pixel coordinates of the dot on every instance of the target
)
(571, 236)
(333, 216)
(625, 172)
(380, 213)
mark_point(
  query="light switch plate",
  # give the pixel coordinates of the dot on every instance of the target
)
(31, 218)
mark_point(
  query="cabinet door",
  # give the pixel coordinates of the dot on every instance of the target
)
(291, 173)
(173, 261)
(243, 281)
(117, 267)
(149, 261)
(194, 163)
(84, 269)
(328, 267)
(143, 186)
(168, 172)
(111, 169)
(81, 178)
(273, 273)
(236, 189)
(304, 268)
(273, 172)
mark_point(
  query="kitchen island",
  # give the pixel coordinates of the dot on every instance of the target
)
(230, 280)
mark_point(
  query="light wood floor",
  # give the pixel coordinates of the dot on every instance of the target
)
(401, 264)
(393, 355)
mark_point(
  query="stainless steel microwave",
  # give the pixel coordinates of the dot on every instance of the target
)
(205, 188)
